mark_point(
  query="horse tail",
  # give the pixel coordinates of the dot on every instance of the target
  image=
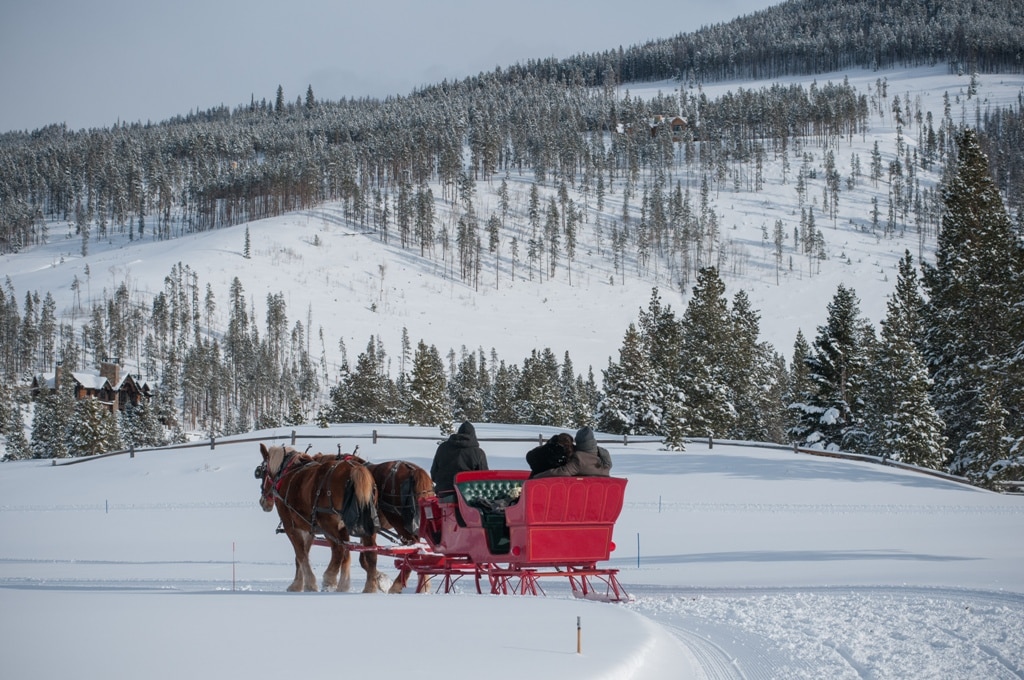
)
(363, 486)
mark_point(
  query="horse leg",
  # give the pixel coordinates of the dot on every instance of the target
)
(368, 561)
(423, 584)
(308, 577)
(330, 582)
(402, 580)
(304, 577)
(344, 577)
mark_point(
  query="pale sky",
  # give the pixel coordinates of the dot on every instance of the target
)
(92, 63)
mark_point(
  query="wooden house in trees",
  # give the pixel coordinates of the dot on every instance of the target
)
(108, 386)
(675, 125)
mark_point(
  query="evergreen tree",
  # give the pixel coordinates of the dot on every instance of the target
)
(367, 394)
(574, 413)
(829, 414)
(755, 376)
(800, 385)
(662, 338)
(504, 406)
(974, 318)
(465, 393)
(539, 394)
(94, 429)
(989, 444)
(12, 426)
(708, 341)
(428, 393)
(52, 422)
(630, 403)
(140, 426)
(900, 421)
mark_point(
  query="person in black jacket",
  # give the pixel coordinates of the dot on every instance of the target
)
(562, 456)
(460, 452)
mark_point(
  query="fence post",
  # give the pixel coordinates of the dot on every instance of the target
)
(374, 437)
(795, 448)
(711, 442)
(625, 440)
(212, 443)
(540, 439)
(131, 451)
(293, 437)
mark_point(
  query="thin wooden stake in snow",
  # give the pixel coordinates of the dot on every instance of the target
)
(579, 637)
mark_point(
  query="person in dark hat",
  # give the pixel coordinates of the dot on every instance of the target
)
(563, 456)
(459, 453)
(587, 442)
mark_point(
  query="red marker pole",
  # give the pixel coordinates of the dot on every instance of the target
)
(579, 637)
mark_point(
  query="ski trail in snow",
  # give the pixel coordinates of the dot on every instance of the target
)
(1003, 661)
(847, 654)
(713, 660)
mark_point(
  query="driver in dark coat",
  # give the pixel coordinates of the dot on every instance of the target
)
(459, 453)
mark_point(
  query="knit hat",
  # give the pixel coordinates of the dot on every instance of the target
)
(585, 440)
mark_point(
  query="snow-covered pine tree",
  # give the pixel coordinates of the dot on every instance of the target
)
(661, 336)
(539, 392)
(504, 407)
(51, 424)
(830, 414)
(899, 419)
(140, 426)
(13, 428)
(755, 375)
(707, 343)
(800, 385)
(429, 404)
(989, 444)
(974, 318)
(575, 415)
(94, 429)
(631, 401)
(464, 391)
(368, 395)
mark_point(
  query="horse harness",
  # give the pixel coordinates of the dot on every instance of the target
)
(408, 498)
(277, 481)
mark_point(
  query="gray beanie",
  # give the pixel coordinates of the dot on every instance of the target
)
(585, 440)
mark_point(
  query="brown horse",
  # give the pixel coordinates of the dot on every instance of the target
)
(326, 494)
(400, 486)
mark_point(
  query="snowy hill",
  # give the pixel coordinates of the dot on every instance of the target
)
(346, 285)
(744, 562)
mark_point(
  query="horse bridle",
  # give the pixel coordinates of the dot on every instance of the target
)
(269, 481)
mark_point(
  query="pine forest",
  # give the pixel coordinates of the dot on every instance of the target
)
(529, 174)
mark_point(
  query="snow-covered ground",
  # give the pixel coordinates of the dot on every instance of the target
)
(744, 562)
